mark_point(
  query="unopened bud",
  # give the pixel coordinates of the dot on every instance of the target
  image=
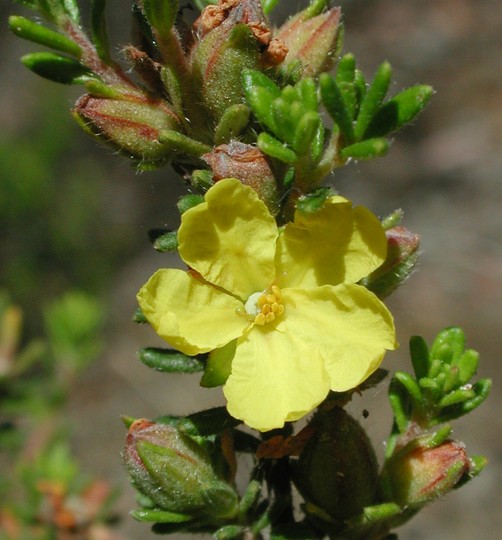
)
(313, 41)
(337, 470)
(175, 472)
(131, 124)
(402, 256)
(249, 165)
(418, 474)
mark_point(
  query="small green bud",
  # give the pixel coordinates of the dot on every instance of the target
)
(314, 41)
(337, 470)
(418, 474)
(132, 124)
(175, 472)
(249, 165)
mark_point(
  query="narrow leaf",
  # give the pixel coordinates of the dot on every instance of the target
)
(449, 344)
(411, 386)
(400, 405)
(419, 352)
(467, 366)
(160, 516)
(268, 5)
(161, 14)
(56, 68)
(346, 70)
(99, 32)
(371, 148)
(305, 131)
(260, 92)
(166, 242)
(169, 361)
(182, 144)
(373, 99)
(398, 111)
(189, 201)
(333, 100)
(233, 121)
(457, 396)
(26, 29)
(274, 148)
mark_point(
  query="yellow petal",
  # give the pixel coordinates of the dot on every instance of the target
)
(191, 316)
(230, 239)
(347, 327)
(337, 244)
(274, 379)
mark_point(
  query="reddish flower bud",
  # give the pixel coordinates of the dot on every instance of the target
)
(175, 472)
(131, 124)
(313, 41)
(249, 165)
(416, 475)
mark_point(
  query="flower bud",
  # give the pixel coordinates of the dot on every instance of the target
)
(418, 474)
(313, 41)
(175, 472)
(232, 36)
(131, 124)
(249, 165)
(337, 470)
(402, 256)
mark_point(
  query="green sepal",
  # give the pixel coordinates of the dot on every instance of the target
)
(128, 421)
(373, 99)
(56, 68)
(271, 146)
(189, 201)
(170, 361)
(398, 111)
(177, 142)
(208, 422)
(26, 29)
(219, 366)
(166, 242)
(334, 102)
(232, 122)
(419, 352)
(161, 14)
(368, 149)
(160, 516)
(99, 31)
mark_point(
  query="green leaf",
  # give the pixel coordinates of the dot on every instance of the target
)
(260, 92)
(274, 148)
(449, 345)
(56, 68)
(173, 87)
(219, 366)
(160, 516)
(346, 70)
(189, 201)
(373, 99)
(233, 121)
(314, 201)
(399, 402)
(367, 149)
(305, 132)
(170, 361)
(161, 14)
(334, 102)
(26, 29)
(177, 142)
(228, 532)
(306, 93)
(99, 32)
(99, 89)
(412, 387)
(419, 352)
(268, 5)
(457, 396)
(208, 422)
(398, 111)
(467, 366)
(166, 242)
(316, 7)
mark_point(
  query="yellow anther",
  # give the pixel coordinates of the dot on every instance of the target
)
(271, 298)
(274, 307)
(265, 307)
(260, 319)
(269, 317)
(262, 300)
(277, 292)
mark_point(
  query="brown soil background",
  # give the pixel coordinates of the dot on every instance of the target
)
(445, 172)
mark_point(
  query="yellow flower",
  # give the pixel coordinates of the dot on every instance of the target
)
(279, 308)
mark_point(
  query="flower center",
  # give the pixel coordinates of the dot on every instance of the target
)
(265, 306)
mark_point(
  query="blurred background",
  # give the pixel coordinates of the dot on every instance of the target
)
(75, 217)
